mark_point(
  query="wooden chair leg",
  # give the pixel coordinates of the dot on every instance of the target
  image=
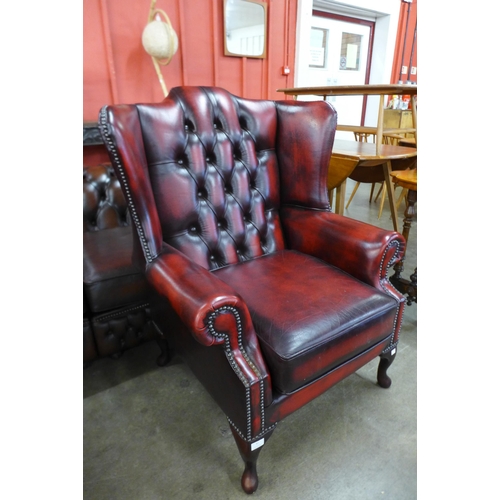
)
(353, 193)
(165, 355)
(380, 189)
(371, 191)
(382, 200)
(403, 194)
(385, 361)
(249, 453)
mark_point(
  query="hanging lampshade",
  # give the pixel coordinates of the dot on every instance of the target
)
(160, 40)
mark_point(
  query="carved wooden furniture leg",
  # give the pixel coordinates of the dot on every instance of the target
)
(164, 357)
(386, 360)
(249, 453)
(406, 287)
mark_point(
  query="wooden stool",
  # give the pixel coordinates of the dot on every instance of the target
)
(407, 179)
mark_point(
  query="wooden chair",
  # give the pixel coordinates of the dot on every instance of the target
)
(388, 139)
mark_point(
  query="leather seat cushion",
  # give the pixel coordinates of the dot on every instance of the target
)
(111, 278)
(343, 317)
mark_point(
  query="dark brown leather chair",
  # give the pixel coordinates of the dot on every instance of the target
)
(116, 312)
(268, 296)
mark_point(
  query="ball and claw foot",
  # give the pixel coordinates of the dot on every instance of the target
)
(385, 361)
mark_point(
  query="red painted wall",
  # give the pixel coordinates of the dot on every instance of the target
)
(116, 68)
(406, 30)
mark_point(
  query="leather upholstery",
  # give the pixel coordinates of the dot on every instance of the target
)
(123, 328)
(269, 296)
(111, 277)
(303, 339)
(116, 294)
(104, 205)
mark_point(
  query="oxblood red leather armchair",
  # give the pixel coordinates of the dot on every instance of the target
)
(268, 296)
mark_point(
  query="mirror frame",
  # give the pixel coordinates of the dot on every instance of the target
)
(227, 52)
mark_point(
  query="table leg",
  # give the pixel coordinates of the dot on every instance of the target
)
(390, 191)
(340, 198)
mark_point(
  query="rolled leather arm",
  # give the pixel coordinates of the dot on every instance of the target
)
(211, 310)
(362, 250)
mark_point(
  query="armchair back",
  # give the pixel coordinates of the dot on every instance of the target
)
(218, 169)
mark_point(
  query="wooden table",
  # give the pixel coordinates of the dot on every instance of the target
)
(381, 90)
(347, 155)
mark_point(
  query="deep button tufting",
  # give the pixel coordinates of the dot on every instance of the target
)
(193, 229)
(180, 161)
(222, 223)
(212, 257)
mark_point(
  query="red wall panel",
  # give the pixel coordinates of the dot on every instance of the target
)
(405, 41)
(116, 68)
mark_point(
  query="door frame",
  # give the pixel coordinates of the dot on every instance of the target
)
(385, 14)
(362, 22)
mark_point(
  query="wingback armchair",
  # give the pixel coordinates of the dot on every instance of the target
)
(269, 297)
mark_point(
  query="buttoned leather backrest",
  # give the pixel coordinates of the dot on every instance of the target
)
(208, 166)
(104, 205)
(212, 163)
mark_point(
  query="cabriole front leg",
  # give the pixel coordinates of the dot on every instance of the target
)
(249, 452)
(386, 360)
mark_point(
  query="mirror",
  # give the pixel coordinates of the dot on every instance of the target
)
(245, 28)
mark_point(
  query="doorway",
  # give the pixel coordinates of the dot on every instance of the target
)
(382, 16)
(340, 54)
